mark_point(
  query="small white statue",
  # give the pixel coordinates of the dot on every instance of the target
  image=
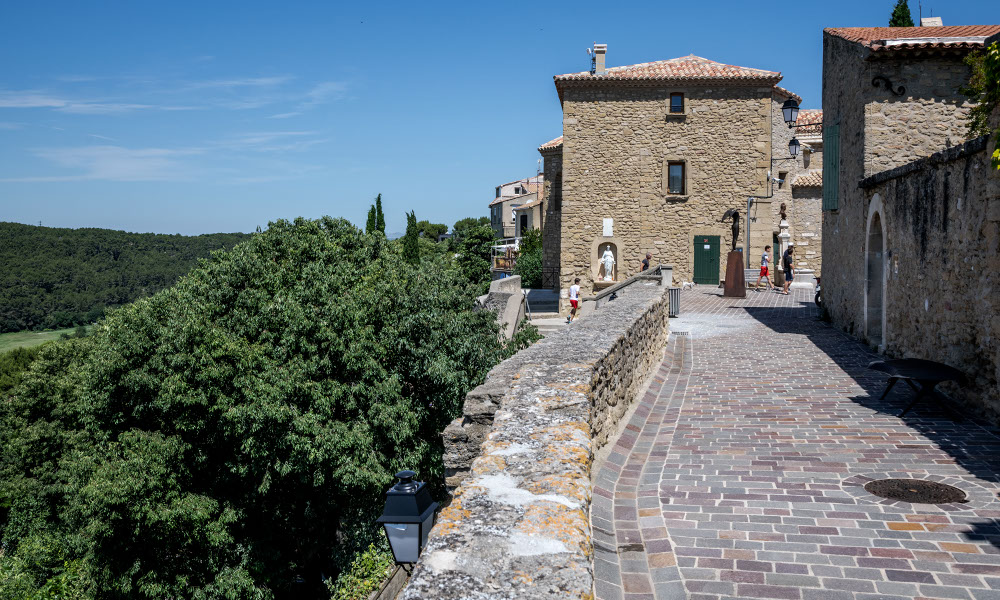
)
(609, 263)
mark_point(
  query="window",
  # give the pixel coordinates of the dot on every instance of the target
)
(677, 103)
(831, 167)
(498, 192)
(782, 178)
(518, 190)
(675, 178)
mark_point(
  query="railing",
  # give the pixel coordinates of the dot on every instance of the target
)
(656, 274)
(550, 277)
(504, 254)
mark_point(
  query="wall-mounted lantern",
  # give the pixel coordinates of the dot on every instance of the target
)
(793, 147)
(790, 111)
(408, 517)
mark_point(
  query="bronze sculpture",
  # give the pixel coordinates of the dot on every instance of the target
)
(735, 214)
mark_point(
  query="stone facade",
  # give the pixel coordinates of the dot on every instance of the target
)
(518, 525)
(618, 139)
(940, 218)
(552, 205)
(911, 252)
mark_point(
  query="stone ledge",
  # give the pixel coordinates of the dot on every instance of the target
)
(948, 155)
(518, 526)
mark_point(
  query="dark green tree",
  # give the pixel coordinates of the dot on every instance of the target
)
(238, 430)
(462, 226)
(474, 253)
(529, 259)
(372, 223)
(901, 15)
(379, 216)
(411, 240)
(430, 230)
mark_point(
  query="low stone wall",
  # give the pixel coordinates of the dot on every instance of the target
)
(518, 525)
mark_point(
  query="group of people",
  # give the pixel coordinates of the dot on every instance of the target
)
(787, 265)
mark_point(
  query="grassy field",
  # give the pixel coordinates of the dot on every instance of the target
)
(27, 339)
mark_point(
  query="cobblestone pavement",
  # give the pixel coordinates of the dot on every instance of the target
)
(741, 471)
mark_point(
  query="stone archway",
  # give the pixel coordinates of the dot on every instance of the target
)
(875, 275)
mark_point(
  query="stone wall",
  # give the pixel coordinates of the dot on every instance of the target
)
(878, 131)
(518, 526)
(552, 204)
(805, 220)
(941, 219)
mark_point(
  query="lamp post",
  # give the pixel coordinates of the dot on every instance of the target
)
(408, 517)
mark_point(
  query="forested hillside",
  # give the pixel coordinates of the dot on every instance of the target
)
(53, 278)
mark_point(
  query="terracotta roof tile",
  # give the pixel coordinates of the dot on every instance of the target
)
(690, 68)
(551, 144)
(810, 179)
(787, 93)
(810, 116)
(899, 38)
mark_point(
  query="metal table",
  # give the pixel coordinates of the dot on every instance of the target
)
(921, 375)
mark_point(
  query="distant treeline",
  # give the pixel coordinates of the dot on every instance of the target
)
(54, 278)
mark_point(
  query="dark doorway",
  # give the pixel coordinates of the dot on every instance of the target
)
(706, 259)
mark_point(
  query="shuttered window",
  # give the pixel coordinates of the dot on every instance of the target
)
(831, 167)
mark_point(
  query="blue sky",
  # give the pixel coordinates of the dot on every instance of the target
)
(197, 117)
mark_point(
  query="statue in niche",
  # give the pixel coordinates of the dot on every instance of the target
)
(608, 260)
(735, 214)
(784, 217)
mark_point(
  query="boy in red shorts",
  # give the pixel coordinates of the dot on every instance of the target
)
(764, 259)
(574, 299)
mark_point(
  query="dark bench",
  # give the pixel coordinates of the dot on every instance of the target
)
(921, 375)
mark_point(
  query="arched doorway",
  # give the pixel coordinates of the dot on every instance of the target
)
(875, 276)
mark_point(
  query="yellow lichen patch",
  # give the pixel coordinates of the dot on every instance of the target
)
(555, 521)
(571, 485)
(450, 519)
(563, 432)
(522, 577)
(488, 464)
(580, 388)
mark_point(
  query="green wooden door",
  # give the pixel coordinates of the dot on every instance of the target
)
(706, 259)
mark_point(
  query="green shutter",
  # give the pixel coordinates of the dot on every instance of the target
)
(831, 167)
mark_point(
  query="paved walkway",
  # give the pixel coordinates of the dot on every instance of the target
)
(741, 473)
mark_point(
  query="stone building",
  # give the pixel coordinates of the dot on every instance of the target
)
(911, 211)
(651, 157)
(510, 196)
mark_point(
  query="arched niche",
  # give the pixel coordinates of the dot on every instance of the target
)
(875, 275)
(597, 251)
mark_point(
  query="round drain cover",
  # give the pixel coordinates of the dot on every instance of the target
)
(916, 491)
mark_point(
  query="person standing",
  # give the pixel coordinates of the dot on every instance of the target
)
(788, 268)
(765, 259)
(645, 261)
(574, 299)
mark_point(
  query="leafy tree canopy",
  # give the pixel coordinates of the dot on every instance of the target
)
(430, 230)
(462, 226)
(217, 439)
(473, 258)
(984, 91)
(379, 215)
(901, 15)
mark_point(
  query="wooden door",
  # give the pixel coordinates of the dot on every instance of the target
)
(706, 259)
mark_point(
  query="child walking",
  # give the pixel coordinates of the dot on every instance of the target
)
(574, 299)
(765, 259)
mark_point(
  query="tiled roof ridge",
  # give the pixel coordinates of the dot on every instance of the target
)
(868, 36)
(551, 144)
(813, 178)
(688, 67)
(506, 198)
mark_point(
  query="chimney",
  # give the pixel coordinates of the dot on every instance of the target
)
(599, 51)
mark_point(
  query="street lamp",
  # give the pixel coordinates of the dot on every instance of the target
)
(790, 111)
(408, 517)
(793, 147)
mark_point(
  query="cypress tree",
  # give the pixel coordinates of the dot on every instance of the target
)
(379, 217)
(370, 225)
(411, 243)
(901, 16)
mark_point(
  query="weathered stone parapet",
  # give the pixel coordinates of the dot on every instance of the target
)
(518, 526)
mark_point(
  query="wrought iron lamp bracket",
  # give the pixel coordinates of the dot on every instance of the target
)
(888, 85)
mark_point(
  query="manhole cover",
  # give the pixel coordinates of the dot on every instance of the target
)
(916, 491)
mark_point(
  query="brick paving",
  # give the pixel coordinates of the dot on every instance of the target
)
(741, 471)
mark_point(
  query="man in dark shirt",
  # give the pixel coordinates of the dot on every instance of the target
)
(786, 265)
(645, 261)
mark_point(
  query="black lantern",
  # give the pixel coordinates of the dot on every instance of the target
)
(790, 110)
(793, 147)
(408, 517)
